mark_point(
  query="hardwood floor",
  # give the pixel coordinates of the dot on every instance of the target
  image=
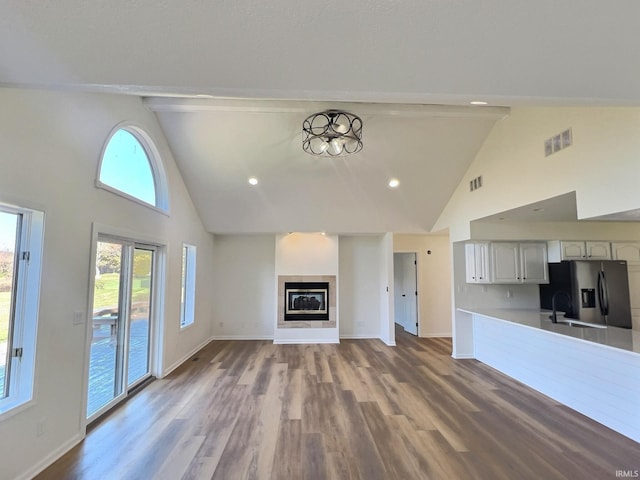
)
(357, 410)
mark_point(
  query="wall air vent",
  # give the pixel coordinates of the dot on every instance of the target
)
(475, 184)
(558, 142)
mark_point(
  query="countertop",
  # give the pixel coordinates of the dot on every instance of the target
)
(614, 337)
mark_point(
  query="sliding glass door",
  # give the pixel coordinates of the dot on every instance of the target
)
(121, 325)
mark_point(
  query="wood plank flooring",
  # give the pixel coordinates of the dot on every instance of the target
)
(357, 410)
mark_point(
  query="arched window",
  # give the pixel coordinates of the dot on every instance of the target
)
(130, 166)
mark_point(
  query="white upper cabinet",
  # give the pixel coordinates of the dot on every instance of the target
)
(578, 250)
(477, 262)
(519, 262)
(629, 251)
(505, 262)
(598, 250)
(533, 258)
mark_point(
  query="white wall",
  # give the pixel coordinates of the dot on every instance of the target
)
(51, 143)
(601, 165)
(307, 254)
(434, 281)
(580, 230)
(243, 290)
(359, 287)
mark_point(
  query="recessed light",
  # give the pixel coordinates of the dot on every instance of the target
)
(394, 182)
(478, 102)
(253, 181)
(538, 209)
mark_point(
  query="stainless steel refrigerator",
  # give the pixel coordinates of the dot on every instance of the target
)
(598, 291)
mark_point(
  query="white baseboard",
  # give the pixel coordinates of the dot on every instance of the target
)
(186, 357)
(52, 457)
(293, 341)
(462, 357)
(363, 336)
(242, 337)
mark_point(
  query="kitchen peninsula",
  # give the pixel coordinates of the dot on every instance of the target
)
(593, 371)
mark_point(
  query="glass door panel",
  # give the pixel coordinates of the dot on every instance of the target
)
(105, 361)
(139, 325)
(9, 226)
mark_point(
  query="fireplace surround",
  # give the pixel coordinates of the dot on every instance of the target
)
(306, 301)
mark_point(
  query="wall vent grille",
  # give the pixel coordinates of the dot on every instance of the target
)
(475, 184)
(558, 142)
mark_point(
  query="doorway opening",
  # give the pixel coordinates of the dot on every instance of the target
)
(405, 278)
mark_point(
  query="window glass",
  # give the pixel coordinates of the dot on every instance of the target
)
(9, 225)
(187, 303)
(20, 264)
(126, 167)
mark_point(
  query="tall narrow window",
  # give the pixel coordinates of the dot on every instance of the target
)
(130, 166)
(188, 296)
(20, 256)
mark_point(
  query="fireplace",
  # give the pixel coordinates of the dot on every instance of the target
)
(308, 301)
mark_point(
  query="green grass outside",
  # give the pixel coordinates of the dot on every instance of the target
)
(5, 300)
(106, 295)
(106, 291)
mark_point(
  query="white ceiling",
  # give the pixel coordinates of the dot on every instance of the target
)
(387, 60)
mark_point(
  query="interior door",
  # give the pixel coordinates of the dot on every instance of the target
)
(121, 322)
(406, 291)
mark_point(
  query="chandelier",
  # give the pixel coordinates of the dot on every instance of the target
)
(332, 133)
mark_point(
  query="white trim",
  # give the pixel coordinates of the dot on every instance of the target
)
(185, 357)
(242, 337)
(360, 336)
(120, 193)
(462, 357)
(51, 458)
(293, 341)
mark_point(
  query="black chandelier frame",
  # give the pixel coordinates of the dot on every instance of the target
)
(324, 130)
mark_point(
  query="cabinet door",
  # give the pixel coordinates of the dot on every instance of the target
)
(470, 262)
(573, 250)
(634, 294)
(598, 250)
(506, 262)
(629, 251)
(477, 262)
(483, 262)
(533, 259)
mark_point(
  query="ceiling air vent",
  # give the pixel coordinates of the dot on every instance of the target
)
(558, 142)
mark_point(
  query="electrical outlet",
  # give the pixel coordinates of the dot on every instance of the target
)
(509, 294)
(221, 324)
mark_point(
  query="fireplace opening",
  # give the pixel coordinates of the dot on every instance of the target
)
(308, 301)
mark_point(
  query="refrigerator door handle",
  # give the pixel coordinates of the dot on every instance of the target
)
(603, 294)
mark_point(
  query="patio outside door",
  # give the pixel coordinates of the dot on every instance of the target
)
(121, 327)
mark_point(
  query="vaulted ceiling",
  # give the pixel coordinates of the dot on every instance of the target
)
(232, 81)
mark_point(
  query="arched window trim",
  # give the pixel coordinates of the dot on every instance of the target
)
(155, 162)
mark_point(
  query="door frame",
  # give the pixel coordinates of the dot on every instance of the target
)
(418, 288)
(156, 317)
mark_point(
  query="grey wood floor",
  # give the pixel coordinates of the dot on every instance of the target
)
(357, 410)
